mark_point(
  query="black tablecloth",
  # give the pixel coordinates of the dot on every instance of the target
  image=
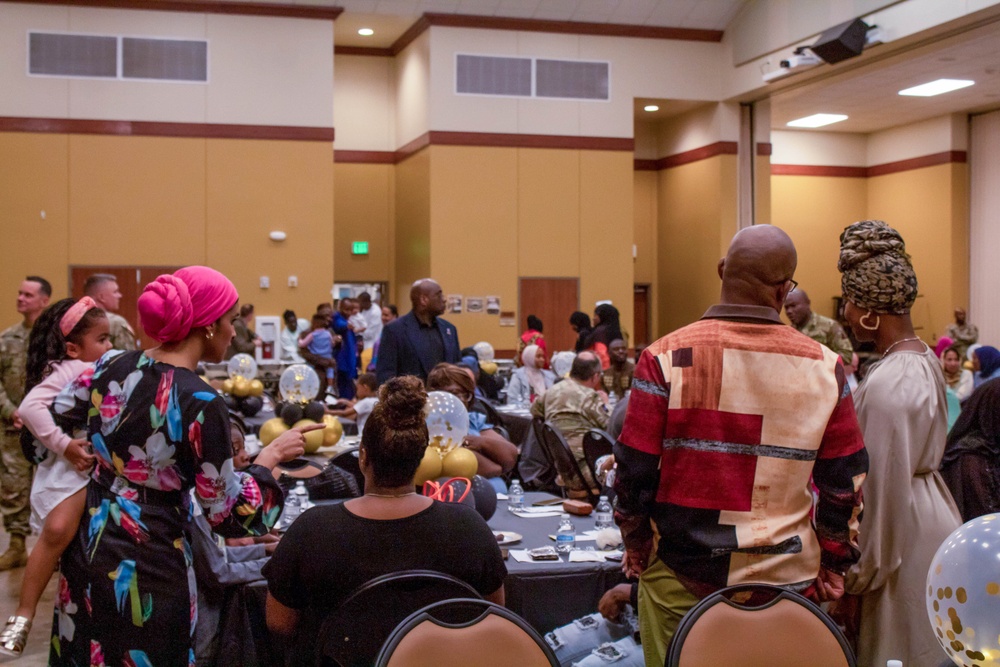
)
(547, 595)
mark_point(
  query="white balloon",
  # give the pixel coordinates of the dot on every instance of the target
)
(562, 362)
(484, 351)
(447, 421)
(963, 593)
(242, 366)
(299, 383)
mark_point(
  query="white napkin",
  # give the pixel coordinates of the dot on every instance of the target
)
(502, 496)
(521, 556)
(544, 514)
(581, 556)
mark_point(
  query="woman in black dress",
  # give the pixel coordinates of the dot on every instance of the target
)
(127, 591)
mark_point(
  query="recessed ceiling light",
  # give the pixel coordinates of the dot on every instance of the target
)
(367, 32)
(818, 120)
(651, 107)
(936, 87)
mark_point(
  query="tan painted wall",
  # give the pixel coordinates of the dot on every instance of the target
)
(814, 211)
(413, 225)
(168, 201)
(364, 211)
(696, 218)
(929, 208)
(644, 235)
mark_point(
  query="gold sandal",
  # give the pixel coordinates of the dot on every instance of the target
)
(15, 636)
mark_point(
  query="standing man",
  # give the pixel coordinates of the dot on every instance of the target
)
(372, 314)
(103, 288)
(15, 471)
(820, 329)
(730, 422)
(420, 340)
(963, 333)
(347, 355)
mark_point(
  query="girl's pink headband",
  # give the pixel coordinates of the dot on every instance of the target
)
(75, 313)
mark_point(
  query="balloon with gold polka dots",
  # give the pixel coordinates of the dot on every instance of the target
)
(963, 593)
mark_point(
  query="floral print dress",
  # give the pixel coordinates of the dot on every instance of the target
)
(127, 591)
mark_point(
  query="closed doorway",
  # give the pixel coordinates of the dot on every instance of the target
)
(131, 281)
(552, 300)
(640, 326)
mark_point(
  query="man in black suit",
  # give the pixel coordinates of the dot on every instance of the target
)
(419, 340)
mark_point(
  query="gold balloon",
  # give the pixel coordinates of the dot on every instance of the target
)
(241, 387)
(256, 387)
(460, 462)
(314, 439)
(227, 386)
(334, 429)
(271, 429)
(429, 468)
(488, 367)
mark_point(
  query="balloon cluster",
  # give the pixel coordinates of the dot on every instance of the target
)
(447, 427)
(243, 391)
(486, 354)
(299, 384)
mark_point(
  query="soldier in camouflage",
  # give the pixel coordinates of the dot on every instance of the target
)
(15, 471)
(103, 288)
(820, 329)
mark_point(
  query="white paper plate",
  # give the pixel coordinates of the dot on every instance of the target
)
(506, 537)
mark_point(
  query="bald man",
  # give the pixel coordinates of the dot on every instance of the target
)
(420, 340)
(821, 329)
(729, 422)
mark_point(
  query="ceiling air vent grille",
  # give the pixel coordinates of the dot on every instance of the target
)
(55, 54)
(572, 79)
(489, 75)
(164, 59)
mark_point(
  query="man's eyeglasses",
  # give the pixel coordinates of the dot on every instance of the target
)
(795, 285)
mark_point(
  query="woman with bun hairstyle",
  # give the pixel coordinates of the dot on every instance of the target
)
(127, 591)
(331, 550)
(903, 412)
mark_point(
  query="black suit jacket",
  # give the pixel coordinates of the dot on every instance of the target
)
(401, 350)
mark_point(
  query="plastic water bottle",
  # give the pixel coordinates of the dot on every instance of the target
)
(515, 495)
(292, 508)
(566, 535)
(603, 514)
(303, 496)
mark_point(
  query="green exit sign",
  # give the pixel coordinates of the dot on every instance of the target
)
(359, 248)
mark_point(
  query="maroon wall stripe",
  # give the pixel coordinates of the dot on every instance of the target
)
(644, 165)
(365, 157)
(946, 157)
(810, 170)
(363, 51)
(572, 27)
(154, 129)
(204, 7)
(439, 138)
(764, 149)
(697, 154)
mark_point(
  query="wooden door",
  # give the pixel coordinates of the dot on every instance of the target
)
(552, 300)
(640, 327)
(131, 281)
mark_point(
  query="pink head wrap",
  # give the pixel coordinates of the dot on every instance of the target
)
(192, 297)
(72, 317)
(943, 344)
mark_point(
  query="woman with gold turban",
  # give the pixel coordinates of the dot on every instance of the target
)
(903, 414)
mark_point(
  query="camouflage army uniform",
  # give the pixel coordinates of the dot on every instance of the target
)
(574, 410)
(15, 471)
(830, 333)
(122, 336)
(964, 336)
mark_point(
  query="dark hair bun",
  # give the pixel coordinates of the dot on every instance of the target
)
(403, 399)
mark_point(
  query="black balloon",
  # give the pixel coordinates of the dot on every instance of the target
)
(486, 496)
(291, 413)
(455, 491)
(232, 403)
(251, 405)
(314, 411)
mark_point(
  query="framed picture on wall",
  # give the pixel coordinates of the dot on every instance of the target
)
(454, 303)
(492, 305)
(474, 304)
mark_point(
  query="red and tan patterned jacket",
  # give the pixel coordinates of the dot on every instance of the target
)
(732, 423)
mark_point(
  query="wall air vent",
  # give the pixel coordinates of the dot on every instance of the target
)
(164, 59)
(55, 54)
(488, 75)
(572, 79)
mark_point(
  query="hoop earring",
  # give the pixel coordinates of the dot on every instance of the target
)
(878, 321)
(209, 334)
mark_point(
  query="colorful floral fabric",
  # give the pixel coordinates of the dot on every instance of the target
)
(158, 431)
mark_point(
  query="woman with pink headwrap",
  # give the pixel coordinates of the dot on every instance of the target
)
(127, 592)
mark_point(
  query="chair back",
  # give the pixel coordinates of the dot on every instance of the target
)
(465, 632)
(352, 634)
(596, 443)
(348, 460)
(562, 458)
(785, 631)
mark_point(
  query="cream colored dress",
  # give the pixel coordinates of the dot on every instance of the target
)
(908, 510)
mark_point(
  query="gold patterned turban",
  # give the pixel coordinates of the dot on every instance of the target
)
(877, 274)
